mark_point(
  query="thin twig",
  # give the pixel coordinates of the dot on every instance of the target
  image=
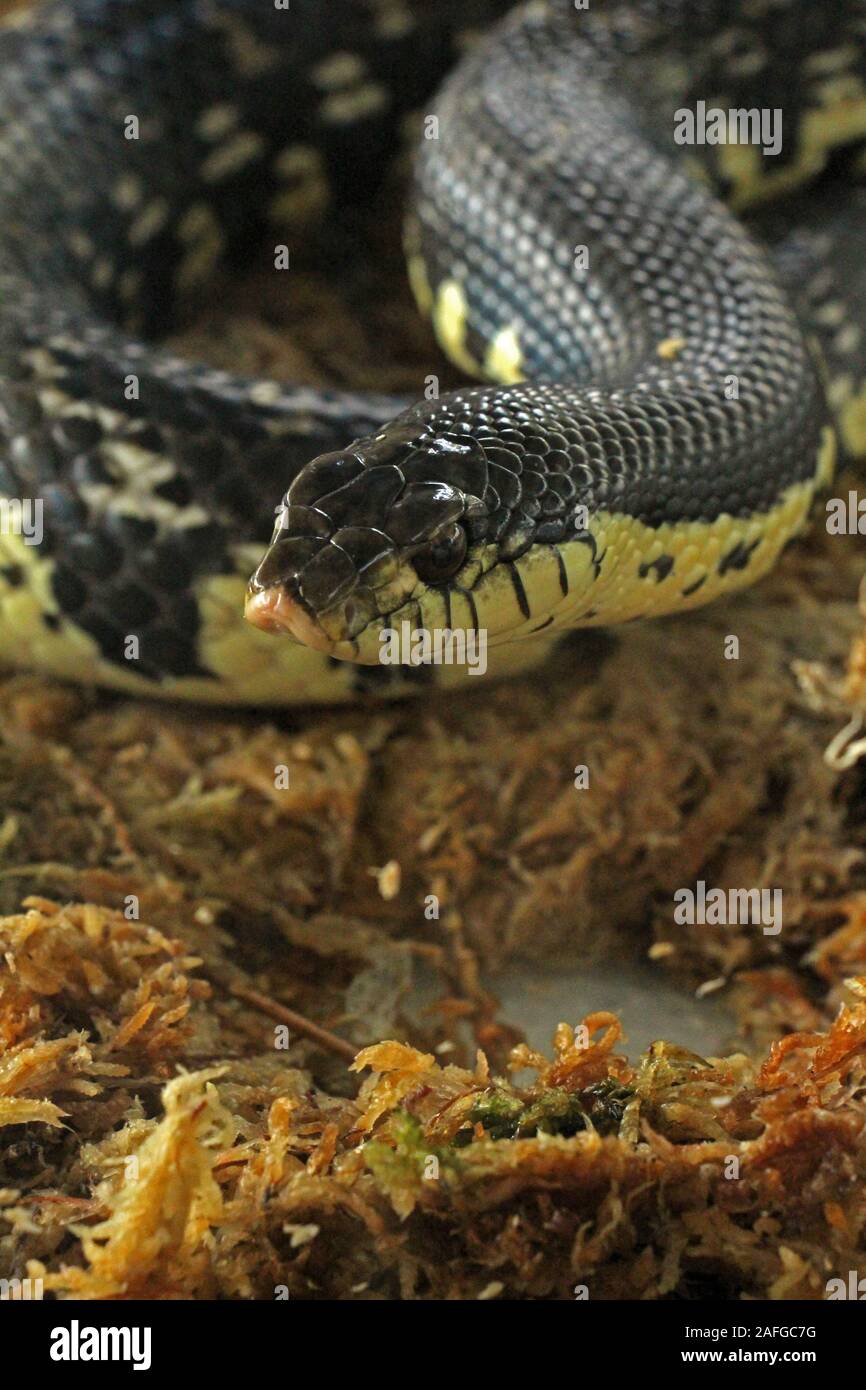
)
(305, 1026)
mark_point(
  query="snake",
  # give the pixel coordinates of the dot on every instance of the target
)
(635, 227)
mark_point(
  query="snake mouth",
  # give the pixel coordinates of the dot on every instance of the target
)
(325, 604)
(274, 610)
(346, 628)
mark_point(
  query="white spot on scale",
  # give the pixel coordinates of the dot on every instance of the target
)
(217, 121)
(848, 339)
(136, 473)
(297, 161)
(302, 169)
(127, 193)
(149, 222)
(59, 404)
(831, 60)
(80, 244)
(199, 220)
(339, 70)
(199, 264)
(102, 274)
(249, 54)
(831, 315)
(342, 108)
(393, 19)
(200, 229)
(45, 366)
(242, 149)
(266, 393)
(840, 389)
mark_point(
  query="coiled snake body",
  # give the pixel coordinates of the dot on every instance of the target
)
(654, 430)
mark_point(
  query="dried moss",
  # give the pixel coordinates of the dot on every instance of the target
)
(240, 1180)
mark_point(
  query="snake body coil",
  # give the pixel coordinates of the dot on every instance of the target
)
(656, 430)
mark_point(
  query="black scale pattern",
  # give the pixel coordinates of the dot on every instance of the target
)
(543, 146)
(548, 142)
(68, 80)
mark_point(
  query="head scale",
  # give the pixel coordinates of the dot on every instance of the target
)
(362, 532)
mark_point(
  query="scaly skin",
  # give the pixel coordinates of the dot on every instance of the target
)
(621, 478)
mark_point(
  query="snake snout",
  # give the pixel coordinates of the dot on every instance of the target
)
(274, 610)
(360, 532)
(309, 587)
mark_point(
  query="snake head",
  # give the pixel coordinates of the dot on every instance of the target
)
(369, 535)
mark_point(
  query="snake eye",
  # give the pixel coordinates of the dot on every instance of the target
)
(443, 557)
